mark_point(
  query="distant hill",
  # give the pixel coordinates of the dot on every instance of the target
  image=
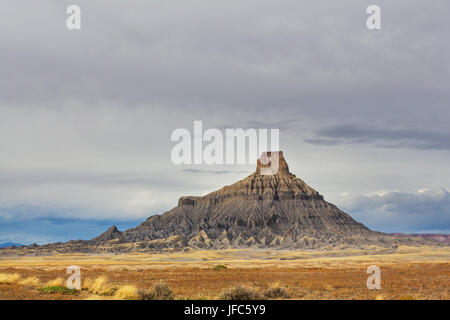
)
(442, 237)
(9, 244)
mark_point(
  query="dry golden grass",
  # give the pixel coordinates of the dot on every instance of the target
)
(6, 278)
(128, 292)
(31, 281)
(58, 282)
(98, 286)
(101, 289)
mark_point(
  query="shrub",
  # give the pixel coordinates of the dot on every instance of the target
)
(161, 291)
(276, 291)
(58, 289)
(219, 267)
(239, 293)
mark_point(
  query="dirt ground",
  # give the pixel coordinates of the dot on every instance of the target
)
(407, 273)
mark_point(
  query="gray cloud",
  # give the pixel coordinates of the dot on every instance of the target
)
(382, 137)
(86, 116)
(420, 211)
(312, 60)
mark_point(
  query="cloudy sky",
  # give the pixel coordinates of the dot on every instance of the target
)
(86, 115)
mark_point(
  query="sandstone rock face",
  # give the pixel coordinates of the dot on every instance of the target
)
(260, 211)
(277, 210)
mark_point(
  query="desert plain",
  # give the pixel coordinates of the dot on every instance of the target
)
(406, 273)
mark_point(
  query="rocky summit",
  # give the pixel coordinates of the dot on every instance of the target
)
(277, 210)
(260, 211)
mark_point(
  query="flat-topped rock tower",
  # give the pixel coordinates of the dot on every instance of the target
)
(278, 210)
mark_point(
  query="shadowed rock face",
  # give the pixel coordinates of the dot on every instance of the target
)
(260, 210)
(110, 234)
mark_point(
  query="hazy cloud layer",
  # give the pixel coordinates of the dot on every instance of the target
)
(382, 137)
